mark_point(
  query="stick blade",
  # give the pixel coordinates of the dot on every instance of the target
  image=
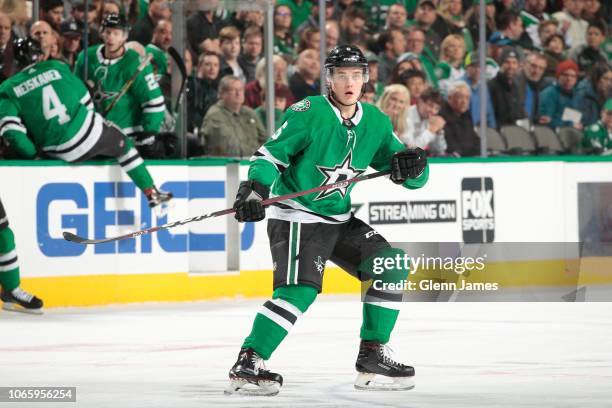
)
(69, 236)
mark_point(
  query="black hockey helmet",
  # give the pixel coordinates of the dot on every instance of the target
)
(346, 56)
(26, 51)
(114, 21)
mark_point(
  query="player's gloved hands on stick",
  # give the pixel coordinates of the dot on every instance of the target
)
(408, 163)
(248, 201)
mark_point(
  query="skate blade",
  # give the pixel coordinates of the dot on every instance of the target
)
(261, 389)
(13, 307)
(371, 382)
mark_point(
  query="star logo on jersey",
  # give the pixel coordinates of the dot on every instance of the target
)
(338, 174)
(320, 265)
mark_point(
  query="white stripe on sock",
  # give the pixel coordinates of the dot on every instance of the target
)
(287, 306)
(281, 321)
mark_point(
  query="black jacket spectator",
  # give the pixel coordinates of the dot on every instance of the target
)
(199, 28)
(143, 30)
(459, 132)
(201, 95)
(7, 67)
(507, 100)
(531, 91)
(225, 69)
(300, 89)
(248, 67)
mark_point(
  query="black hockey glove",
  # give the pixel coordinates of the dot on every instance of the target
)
(150, 145)
(248, 201)
(408, 163)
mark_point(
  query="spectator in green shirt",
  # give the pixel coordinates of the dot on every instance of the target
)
(300, 11)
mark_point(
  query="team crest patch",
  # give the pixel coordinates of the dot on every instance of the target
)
(301, 106)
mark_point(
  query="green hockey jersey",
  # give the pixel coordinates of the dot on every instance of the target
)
(46, 107)
(313, 147)
(159, 59)
(598, 136)
(142, 106)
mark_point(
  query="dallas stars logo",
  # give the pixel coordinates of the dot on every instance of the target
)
(338, 173)
(320, 265)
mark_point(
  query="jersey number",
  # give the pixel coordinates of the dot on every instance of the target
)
(52, 106)
(151, 82)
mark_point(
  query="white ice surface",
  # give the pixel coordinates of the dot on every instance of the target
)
(178, 354)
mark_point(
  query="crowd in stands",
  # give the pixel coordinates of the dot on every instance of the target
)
(549, 63)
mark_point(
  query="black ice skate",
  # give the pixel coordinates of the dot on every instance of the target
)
(373, 361)
(249, 376)
(158, 200)
(18, 300)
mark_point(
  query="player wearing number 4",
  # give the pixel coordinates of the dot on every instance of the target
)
(45, 109)
(139, 113)
(325, 140)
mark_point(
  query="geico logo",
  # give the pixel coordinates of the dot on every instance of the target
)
(477, 204)
(90, 209)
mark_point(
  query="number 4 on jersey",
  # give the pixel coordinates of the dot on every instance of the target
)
(52, 106)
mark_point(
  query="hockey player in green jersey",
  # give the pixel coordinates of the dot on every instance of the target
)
(13, 297)
(140, 111)
(598, 137)
(46, 109)
(324, 140)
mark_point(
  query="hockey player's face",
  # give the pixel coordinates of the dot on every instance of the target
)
(113, 38)
(347, 84)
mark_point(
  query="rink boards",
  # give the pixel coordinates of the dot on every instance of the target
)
(478, 202)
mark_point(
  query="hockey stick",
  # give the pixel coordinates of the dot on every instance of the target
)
(68, 236)
(128, 84)
(181, 66)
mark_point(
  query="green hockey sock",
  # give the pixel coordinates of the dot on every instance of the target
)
(134, 166)
(378, 322)
(380, 307)
(9, 264)
(277, 316)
